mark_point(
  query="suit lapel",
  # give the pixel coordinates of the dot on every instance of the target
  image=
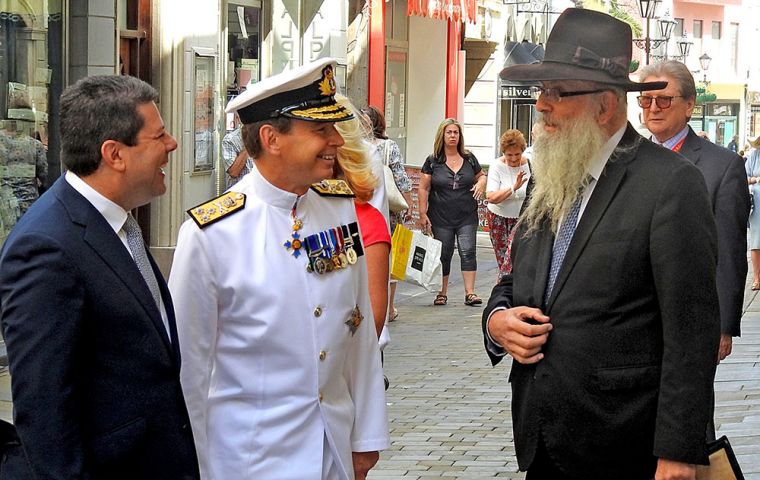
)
(691, 148)
(604, 191)
(99, 235)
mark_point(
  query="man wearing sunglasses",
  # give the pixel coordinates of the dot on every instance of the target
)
(611, 313)
(666, 114)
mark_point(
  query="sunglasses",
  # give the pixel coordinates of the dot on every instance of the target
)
(645, 101)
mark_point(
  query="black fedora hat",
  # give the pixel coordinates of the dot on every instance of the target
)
(584, 45)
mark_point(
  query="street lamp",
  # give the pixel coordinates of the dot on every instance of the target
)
(684, 45)
(648, 10)
(704, 62)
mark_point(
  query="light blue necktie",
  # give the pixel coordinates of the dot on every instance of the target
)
(561, 242)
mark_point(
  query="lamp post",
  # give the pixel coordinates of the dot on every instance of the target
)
(704, 62)
(684, 45)
(648, 10)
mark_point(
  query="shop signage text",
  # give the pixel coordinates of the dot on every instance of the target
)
(515, 92)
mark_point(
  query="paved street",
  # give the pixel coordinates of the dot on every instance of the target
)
(449, 408)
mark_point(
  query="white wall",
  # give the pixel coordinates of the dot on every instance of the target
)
(427, 86)
(186, 27)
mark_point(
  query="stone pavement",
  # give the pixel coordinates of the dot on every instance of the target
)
(449, 408)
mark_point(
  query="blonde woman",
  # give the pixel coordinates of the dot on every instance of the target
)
(451, 184)
(353, 165)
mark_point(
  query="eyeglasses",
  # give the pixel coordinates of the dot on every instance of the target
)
(556, 95)
(645, 101)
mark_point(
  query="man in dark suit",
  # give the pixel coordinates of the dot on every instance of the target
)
(666, 114)
(87, 317)
(611, 312)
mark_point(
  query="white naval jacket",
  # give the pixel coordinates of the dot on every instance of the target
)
(269, 366)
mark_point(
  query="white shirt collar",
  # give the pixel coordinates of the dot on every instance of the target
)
(600, 159)
(254, 181)
(113, 213)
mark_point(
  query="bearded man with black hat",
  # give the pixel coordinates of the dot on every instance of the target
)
(611, 314)
(281, 367)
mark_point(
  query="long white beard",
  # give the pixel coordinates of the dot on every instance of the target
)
(560, 167)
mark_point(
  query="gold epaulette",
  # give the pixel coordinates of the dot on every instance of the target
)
(333, 188)
(217, 208)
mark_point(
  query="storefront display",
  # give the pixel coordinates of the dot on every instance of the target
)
(30, 84)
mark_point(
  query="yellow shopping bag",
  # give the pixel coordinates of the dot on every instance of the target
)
(401, 244)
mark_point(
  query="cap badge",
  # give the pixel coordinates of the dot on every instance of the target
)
(327, 84)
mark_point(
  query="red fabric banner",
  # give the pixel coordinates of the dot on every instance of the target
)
(454, 10)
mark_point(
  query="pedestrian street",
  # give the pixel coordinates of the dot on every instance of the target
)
(449, 409)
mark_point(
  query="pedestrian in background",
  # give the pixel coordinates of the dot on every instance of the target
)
(24, 163)
(281, 365)
(505, 191)
(753, 180)
(87, 318)
(237, 162)
(390, 152)
(611, 314)
(451, 184)
(666, 114)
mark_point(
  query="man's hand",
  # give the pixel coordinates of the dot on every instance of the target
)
(672, 470)
(724, 349)
(522, 331)
(363, 462)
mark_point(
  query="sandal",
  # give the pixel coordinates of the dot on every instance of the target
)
(394, 315)
(471, 299)
(755, 285)
(440, 299)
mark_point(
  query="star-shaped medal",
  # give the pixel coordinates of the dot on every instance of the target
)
(294, 244)
(354, 320)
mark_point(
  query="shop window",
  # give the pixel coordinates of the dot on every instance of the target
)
(243, 48)
(30, 87)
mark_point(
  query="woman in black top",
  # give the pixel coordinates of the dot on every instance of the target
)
(451, 184)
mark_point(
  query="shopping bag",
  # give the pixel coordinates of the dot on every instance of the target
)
(416, 258)
(723, 463)
(401, 243)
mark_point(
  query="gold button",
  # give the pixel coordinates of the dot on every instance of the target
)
(322, 355)
(318, 311)
(320, 396)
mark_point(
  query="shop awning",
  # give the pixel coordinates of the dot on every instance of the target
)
(454, 10)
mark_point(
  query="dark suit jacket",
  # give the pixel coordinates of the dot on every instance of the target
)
(727, 188)
(628, 367)
(95, 380)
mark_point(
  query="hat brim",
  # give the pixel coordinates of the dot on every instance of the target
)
(330, 112)
(553, 71)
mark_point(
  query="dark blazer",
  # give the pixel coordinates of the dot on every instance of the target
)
(95, 380)
(628, 367)
(727, 188)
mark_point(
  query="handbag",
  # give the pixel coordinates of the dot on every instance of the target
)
(396, 201)
(416, 258)
(723, 463)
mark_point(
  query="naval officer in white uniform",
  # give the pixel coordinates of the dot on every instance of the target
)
(280, 363)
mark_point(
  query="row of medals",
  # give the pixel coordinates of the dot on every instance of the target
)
(327, 250)
(330, 250)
